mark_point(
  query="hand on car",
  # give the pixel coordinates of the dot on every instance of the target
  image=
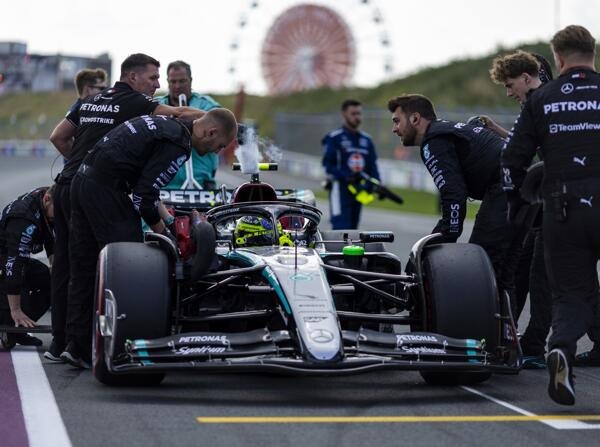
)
(21, 319)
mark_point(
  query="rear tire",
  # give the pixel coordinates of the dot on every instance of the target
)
(137, 275)
(462, 301)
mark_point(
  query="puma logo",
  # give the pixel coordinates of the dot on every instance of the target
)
(587, 202)
(581, 161)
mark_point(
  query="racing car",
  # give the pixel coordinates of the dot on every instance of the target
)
(302, 301)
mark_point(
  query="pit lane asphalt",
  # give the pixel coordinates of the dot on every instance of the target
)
(98, 415)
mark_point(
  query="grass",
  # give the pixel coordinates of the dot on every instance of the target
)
(419, 202)
(458, 84)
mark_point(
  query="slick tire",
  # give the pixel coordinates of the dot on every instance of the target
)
(137, 276)
(461, 302)
(205, 239)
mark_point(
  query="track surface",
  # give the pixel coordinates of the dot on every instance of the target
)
(173, 413)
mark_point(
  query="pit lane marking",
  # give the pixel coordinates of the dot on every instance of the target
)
(552, 418)
(43, 422)
(562, 422)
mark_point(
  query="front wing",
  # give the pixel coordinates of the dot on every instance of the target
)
(275, 351)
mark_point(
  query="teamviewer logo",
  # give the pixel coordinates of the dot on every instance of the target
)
(553, 128)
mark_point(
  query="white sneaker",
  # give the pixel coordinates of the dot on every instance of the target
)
(561, 387)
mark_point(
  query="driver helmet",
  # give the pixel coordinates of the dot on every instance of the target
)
(255, 231)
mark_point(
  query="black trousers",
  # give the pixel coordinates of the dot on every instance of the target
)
(522, 273)
(99, 216)
(35, 294)
(572, 250)
(492, 232)
(533, 341)
(60, 265)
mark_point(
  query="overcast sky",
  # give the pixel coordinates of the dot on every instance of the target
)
(422, 33)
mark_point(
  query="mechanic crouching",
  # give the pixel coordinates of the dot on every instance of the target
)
(138, 157)
(464, 162)
(25, 228)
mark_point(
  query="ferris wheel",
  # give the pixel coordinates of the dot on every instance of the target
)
(286, 46)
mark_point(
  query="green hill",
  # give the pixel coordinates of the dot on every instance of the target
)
(461, 83)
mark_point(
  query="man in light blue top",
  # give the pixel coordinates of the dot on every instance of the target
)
(199, 172)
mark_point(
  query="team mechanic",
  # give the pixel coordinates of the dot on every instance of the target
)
(140, 157)
(25, 228)
(521, 73)
(563, 120)
(128, 98)
(87, 82)
(347, 152)
(464, 161)
(203, 167)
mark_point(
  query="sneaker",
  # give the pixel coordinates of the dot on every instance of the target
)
(7, 340)
(534, 362)
(561, 388)
(24, 339)
(75, 357)
(54, 351)
(588, 358)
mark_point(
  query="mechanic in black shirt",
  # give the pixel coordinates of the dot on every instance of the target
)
(464, 162)
(87, 82)
(563, 120)
(521, 73)
(96, 115)
(25, 228)
(139, 157)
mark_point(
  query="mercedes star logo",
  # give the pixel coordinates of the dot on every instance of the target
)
(567, 88)
(321, 336)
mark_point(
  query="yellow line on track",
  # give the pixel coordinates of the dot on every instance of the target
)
(390, 419)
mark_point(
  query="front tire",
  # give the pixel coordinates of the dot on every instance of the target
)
(137, 276)
(461, 302)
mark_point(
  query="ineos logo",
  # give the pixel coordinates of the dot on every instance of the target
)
(567, 88)
(321, 336)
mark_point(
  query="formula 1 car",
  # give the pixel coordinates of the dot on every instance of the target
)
(325, 302)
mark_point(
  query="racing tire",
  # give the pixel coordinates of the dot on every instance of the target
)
(338, 235)
(205, 239)
(137, 275)
(461, 302)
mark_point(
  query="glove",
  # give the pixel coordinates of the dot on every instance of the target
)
(355, 177)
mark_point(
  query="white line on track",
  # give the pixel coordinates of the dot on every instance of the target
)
(45, 427)
(567, 424)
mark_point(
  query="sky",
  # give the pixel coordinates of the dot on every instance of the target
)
(421, 34)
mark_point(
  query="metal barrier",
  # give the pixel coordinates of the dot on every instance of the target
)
(298, 132)
(27, 148)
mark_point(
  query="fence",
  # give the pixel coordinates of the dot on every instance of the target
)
(302, 133)
(299, 136)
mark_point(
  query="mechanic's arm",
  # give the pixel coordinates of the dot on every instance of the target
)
(330, 157)
(19, 237)
(188, 113)
(519, 150)
(158, 172)
(62, 137)
(17, 314)
(444, 167)
(494, 126)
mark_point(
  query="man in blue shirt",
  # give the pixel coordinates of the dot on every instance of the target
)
(200, 170)
(347, 152)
